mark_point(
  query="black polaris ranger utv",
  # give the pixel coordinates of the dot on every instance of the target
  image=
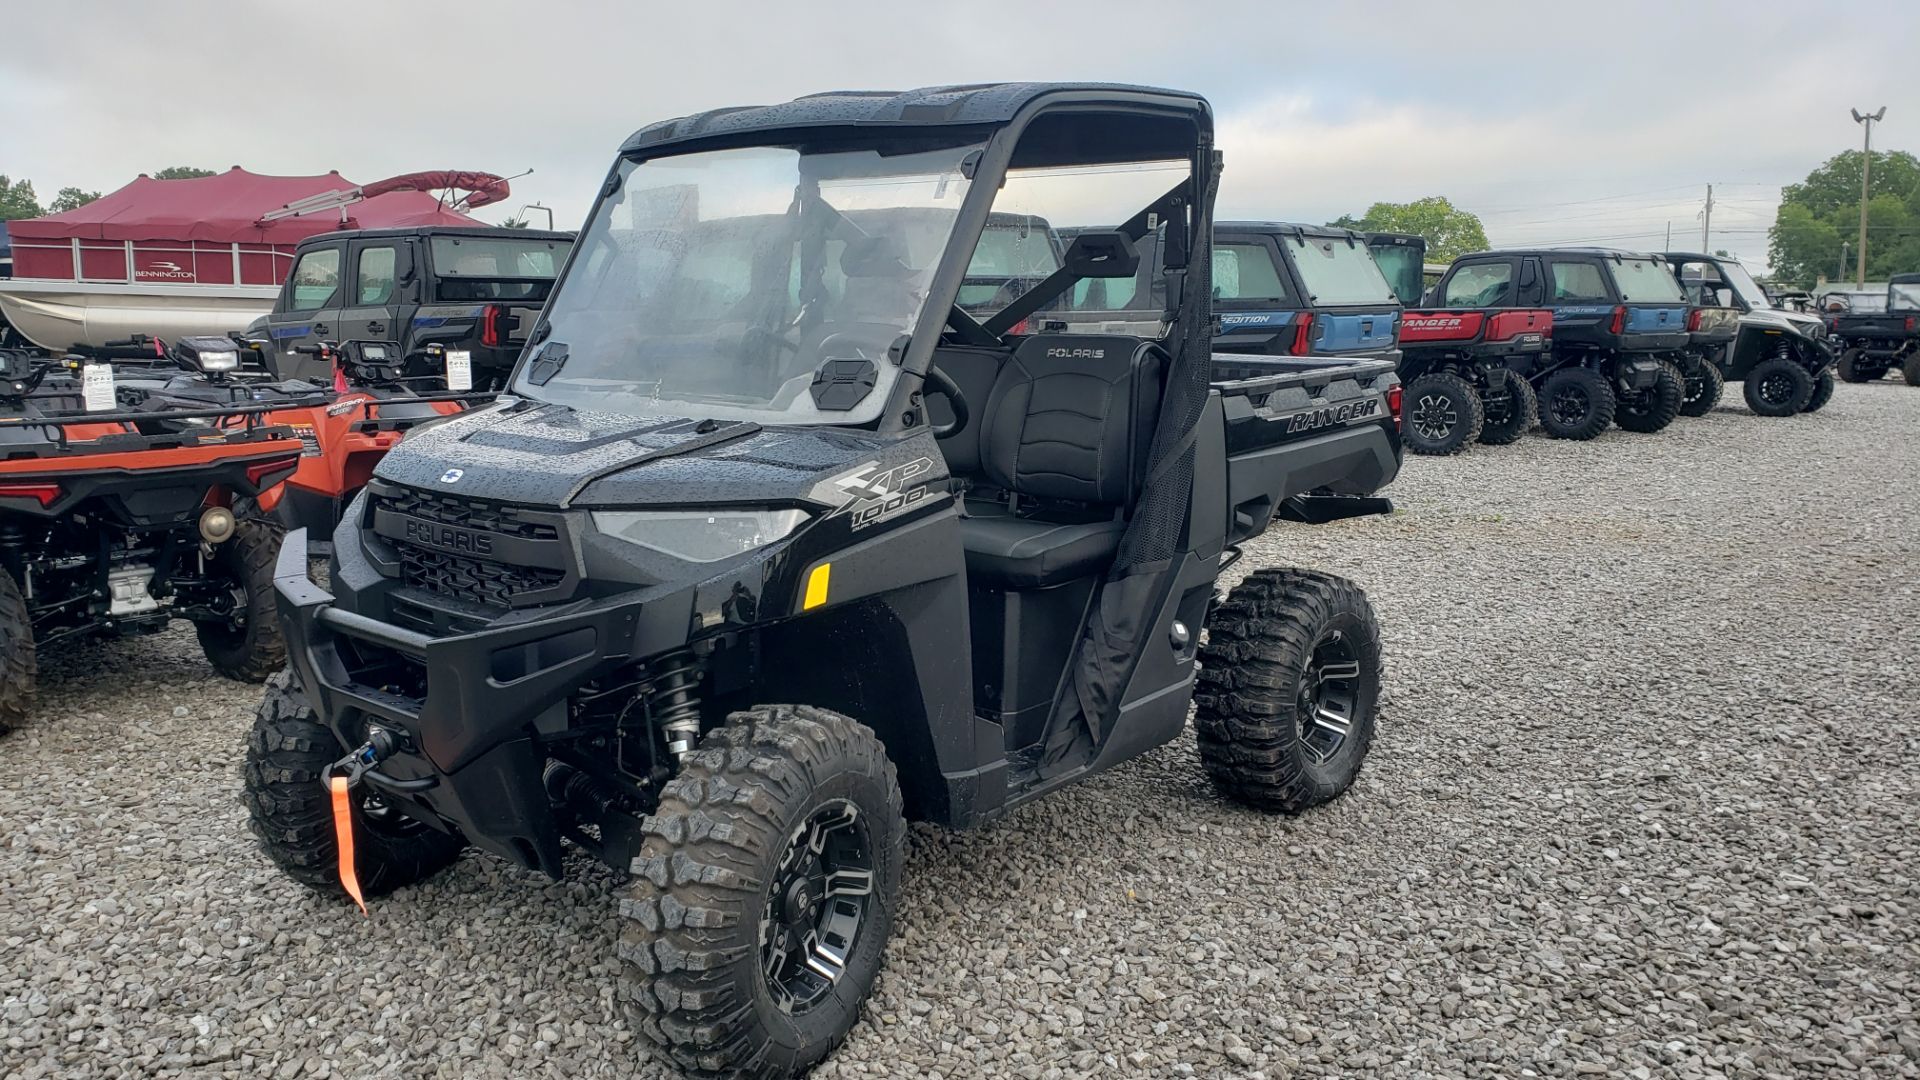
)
(708, 596)
(1783, 359)
(1619, 330)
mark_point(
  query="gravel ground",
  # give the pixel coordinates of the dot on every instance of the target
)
(1643, 804)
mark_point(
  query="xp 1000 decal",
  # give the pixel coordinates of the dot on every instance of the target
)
(872, 494)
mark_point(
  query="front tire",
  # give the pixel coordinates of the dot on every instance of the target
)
(1289, 683)
(763, 894)
(1442, 414)
(19, 665)
(1822, 391)
(292, 812)
(1653, 409)
(1778, 387)
(1511, 407)
(1576, 403)
(1703, 389)
(254, 649)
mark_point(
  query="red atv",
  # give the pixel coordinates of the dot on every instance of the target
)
(117, 517)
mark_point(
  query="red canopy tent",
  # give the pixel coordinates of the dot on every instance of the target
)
(209, 230)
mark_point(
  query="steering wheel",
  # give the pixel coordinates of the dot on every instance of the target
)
(939, 382)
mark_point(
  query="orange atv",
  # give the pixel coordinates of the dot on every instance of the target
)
(117, 517)
(377, 394)
(379, 397)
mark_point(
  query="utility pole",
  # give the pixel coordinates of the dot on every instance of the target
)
(1669, 244)
(1706, 224)
(1866, 170)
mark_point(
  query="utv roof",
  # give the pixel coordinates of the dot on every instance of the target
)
(1290, 228)
(978, 104)
(1611, 253)
(1903, 279)
(1695, 256)
(490, 232)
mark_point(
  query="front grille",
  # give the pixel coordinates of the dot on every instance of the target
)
(480, 581)
(461, 575)
(463, 513)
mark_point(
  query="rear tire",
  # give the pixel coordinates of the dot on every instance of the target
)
(292, 812)
(724, 884)
(1910, 370)
(1822, 391)
(1703, 390)
(1653, 409)
(1778, 387)
(1289, 683)
(1509, 418)
(1576, 403)
(19, 670)
(1441, 414)
(1851, 369)
(254, 650)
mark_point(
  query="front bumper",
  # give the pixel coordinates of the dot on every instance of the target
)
(469, 760)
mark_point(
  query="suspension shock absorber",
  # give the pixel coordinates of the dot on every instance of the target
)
(673, 702)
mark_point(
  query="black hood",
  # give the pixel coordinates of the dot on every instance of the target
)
(534, 454)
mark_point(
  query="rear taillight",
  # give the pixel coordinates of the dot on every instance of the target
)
(1393, 403)
(1619, 322)
(1693, 319)
(492, 326)
(46, 493)
(259, 471)
(1909, 324)
(1302, 335)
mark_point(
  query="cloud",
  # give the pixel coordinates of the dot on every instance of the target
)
(1557, 121)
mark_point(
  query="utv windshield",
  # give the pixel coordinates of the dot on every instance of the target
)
(1903, 296)
(1402, 268)
(718, 284)
(1744, 286)
(1647, 281)
(1337, 271)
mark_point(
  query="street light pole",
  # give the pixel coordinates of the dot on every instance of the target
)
(1866, 171)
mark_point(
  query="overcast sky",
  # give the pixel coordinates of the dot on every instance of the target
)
(1598, 122)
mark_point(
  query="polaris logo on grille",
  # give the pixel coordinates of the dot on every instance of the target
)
(1077, 354)
(448, 538)
(1338, 414)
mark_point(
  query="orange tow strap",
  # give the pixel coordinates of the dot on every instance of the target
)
(343, 838)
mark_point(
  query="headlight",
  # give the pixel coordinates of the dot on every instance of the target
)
(699, 535)
(219, 361)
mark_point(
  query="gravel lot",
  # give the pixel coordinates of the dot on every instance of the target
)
(1644, 803)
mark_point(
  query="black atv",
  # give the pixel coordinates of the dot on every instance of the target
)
(714, 593)
(1875, 335)
(119, 514)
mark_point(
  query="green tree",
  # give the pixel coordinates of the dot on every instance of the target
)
(516, 223)
(1821, 213)
(1450, 232)
(181, 172)
(17, 200)
(70, 198)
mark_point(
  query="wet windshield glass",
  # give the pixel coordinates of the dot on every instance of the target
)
(1904, 296)
(1337, 271)
(1645, 280)
(719, 284)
